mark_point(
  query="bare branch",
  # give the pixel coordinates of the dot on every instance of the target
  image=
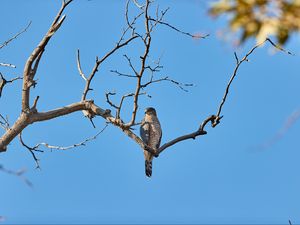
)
(19, 174)
(3, 82)
(121, 104)
(193, 135)
(215, 119)
(7, 65)
(121, 43)
(178, 84)
(33, 116)
(90, 110)
(278, 47)
(121, 74)
(32, 151)
(130, 24)
(178, 30)
(109, 101)
(34, 58)
(131, 65)
(4, 123)
(35, 102)
(82, 143)
(290, 121)
(147, 43)
(138, 5)
(36, 65)
(238, 64)
(99, 62)
(37, 146)
(15, 36)
(158, 18)
(79, 66)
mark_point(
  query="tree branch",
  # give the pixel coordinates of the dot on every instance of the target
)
(19, 173)
(215, 119)
(100, 61)
(46, 145)
(3, 82)
(8, 65)
(178, 30)
(4, 123)
(238, 64)
(29, 71)
(15, 36)
(178, 84)
(147, 43)
(192, 135)
(33, 116)
(79, 66)
(32, 151)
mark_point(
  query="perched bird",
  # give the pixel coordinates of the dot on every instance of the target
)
(151, 133)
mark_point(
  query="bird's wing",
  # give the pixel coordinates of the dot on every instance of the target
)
(145, 132)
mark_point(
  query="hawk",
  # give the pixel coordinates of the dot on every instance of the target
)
(151, 133)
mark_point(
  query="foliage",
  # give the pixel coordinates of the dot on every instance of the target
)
(260, 18)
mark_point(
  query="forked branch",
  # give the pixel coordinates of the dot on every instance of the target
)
(215, 119)
(32, 63)
(238, 64)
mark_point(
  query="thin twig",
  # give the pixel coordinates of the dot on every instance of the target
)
(121, 104)
(32, 151)
(178, 30)
(178, 84)
(54, 147)
(100, 61)
(19, 173)
(290, 121)
(3, 82)
(121, 74)
(138, 5)
(15, 36)
(131, 65)
(238, 64)
(4, 123)
(7, 65)
(82, 143)
(121, 43)
(107, 94)
(147, 44)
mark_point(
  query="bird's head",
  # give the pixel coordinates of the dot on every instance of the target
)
(150, 111)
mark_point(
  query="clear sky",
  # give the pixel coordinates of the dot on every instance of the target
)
(222, 177)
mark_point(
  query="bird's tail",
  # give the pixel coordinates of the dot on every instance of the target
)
(148, 168)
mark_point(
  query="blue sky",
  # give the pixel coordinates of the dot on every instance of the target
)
(221, 177)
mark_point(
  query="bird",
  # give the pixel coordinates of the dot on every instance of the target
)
(151, 133)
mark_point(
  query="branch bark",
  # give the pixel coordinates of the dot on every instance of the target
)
(32, 63)
(32, 116)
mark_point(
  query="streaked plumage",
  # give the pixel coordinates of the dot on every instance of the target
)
(151, 133)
